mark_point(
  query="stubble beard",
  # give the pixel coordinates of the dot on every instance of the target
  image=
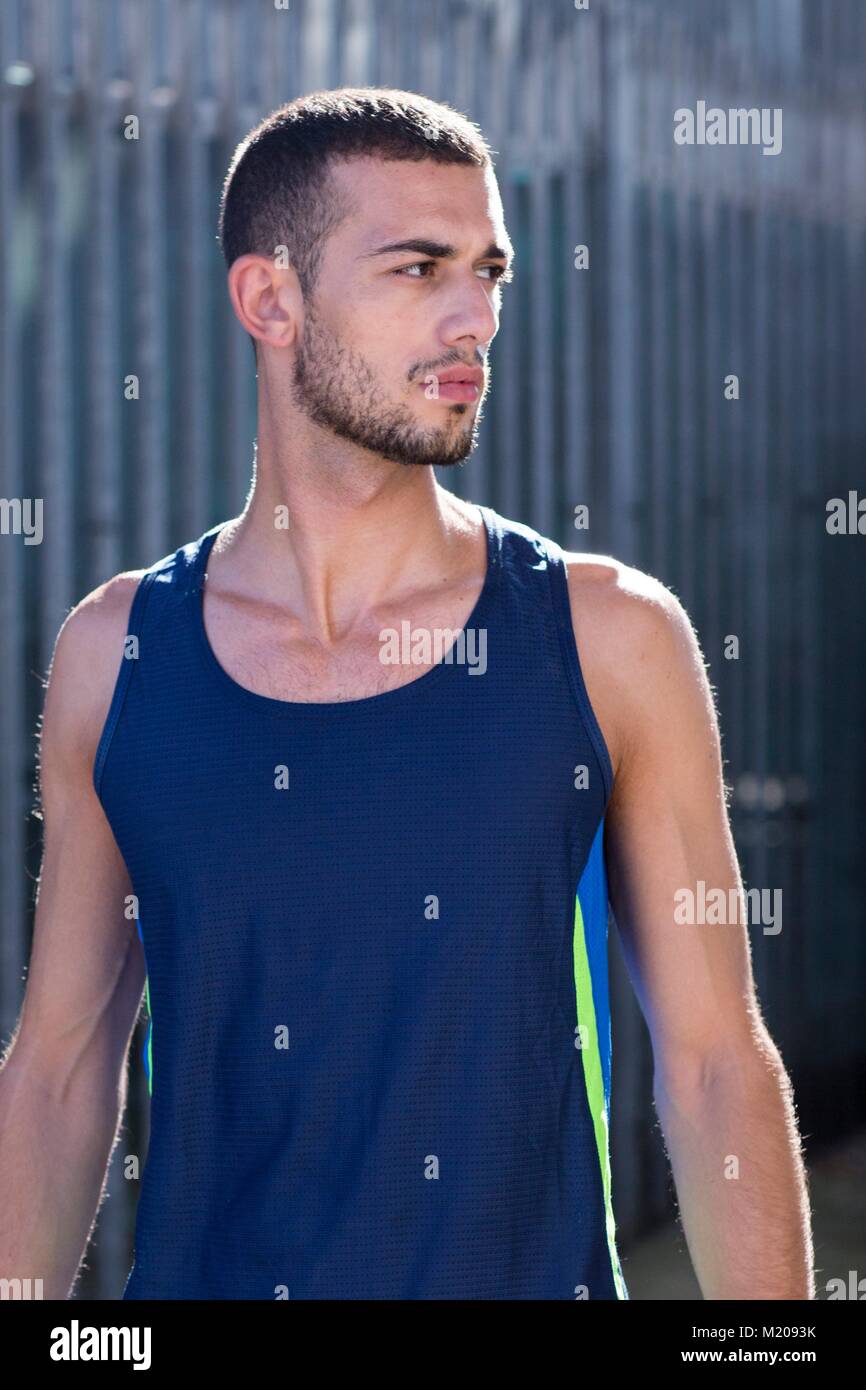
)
(335, 387)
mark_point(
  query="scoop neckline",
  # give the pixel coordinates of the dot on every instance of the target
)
(385, 698)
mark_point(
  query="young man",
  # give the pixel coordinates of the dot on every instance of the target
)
(353, 802)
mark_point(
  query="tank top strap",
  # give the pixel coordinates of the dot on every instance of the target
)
(160, 591)
(170, 584)
(563, 616)
(536, 567)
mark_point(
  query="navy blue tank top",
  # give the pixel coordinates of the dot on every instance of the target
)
(375, 933)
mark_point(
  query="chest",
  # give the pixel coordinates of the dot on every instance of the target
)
(270, 653)
(470, 784)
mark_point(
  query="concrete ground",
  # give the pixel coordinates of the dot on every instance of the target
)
(659, 1267)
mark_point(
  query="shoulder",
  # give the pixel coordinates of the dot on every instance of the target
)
(84, 667)
(627, 602)
(98, 619)
(638, 650)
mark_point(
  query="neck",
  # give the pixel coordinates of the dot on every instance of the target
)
(332, 543)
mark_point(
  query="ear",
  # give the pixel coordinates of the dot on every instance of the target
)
(266, 296)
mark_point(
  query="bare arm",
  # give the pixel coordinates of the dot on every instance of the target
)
(722, 1094)
(63, 1083)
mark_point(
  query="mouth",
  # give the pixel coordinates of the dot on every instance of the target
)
(456, 384)
(458, 391)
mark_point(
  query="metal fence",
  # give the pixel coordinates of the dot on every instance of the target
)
(608, 390)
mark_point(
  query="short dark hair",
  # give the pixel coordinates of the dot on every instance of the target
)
(278, 190)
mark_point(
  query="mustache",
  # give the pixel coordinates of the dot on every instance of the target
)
(444, 366)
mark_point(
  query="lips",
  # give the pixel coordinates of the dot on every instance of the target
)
(458, 383)
(458, 391)
(472, 376)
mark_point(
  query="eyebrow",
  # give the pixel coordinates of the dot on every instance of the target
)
(441, 250)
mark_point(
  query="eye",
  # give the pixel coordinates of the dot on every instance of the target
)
(416, 265)
(499, 272)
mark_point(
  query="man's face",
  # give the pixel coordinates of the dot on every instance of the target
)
(385, 323)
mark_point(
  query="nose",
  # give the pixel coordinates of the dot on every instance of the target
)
(471, 312)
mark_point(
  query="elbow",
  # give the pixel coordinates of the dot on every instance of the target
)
(686, 1078)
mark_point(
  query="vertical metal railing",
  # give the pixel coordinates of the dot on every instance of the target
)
(607, 390)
